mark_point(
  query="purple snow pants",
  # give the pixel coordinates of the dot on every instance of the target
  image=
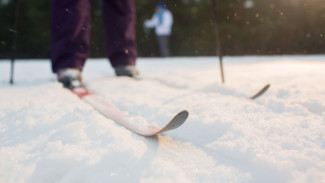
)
(70, 28)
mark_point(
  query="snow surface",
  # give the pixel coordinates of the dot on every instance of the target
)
(49, 135)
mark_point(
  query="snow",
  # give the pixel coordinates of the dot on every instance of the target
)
(49, 135)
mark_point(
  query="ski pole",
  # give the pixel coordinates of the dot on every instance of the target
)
(218, 44)
(14, 39)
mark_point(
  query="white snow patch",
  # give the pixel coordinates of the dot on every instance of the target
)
(49, 135)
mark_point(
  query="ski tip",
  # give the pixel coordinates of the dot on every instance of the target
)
(176, 122)
(181, 117)
(262, 91)
(184, 113)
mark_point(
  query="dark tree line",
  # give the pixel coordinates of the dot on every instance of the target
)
(263, 28)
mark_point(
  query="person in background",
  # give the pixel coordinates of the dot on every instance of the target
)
(70, 38)
(162, 21)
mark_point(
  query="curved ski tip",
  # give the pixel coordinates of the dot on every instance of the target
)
(266, 87)
(261, 92)
(184, 114)
(176, 122)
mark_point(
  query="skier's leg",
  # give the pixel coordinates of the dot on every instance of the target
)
(70, 33)
(119, 26)
(163, 42)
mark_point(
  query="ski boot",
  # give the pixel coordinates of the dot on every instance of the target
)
(126, 70)
(70, 77)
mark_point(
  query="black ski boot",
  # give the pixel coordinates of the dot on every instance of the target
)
(126, 70)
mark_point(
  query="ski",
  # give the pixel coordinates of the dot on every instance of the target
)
(260, 92)
(110, 111)
(256, 95)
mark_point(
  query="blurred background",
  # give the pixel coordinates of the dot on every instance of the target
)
(247, 27)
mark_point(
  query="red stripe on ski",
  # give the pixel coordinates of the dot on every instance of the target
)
(80, 92)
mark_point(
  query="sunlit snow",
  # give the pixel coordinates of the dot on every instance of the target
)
(49, 135)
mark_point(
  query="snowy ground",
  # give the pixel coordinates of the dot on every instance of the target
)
(49, 135)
